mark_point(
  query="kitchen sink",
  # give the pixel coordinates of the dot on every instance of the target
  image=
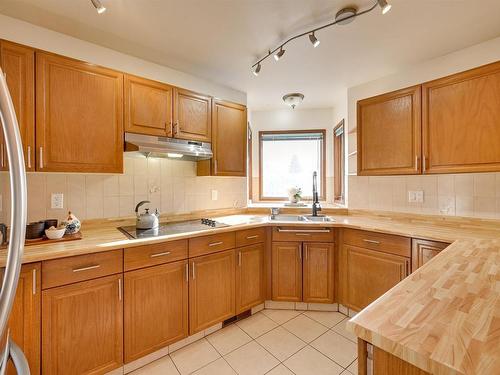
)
(321, 219)
(301, 218)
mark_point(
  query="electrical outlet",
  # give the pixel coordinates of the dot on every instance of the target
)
(415, 196)
(57, 200)
(215, 195)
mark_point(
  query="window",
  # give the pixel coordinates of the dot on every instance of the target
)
(338, 163)
(288, 159)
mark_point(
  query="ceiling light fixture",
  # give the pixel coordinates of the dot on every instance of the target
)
(98, 5)
(384, 5)
(343, 17)
(315, 42)
(293, 99)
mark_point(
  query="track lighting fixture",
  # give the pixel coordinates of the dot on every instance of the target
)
(98, 5)
(384, 5)
(343, 17)
(279, 55)
(315, 42)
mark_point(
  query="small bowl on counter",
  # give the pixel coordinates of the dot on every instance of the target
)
(54, 233)
(35, 230)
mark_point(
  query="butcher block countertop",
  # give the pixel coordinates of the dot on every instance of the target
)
(444, 318)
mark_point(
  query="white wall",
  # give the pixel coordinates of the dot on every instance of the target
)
(462, 195)
(293, 119)
(28, 34)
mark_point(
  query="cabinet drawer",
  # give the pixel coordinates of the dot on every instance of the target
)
(151, 255)
(211, 244)
(303, 234)
(386, 243)
(250, 236)
(79, 268)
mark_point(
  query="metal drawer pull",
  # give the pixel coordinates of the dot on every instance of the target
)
(252, 237)
(86, 268)
(302, 234)
(372, 241)
(304, 230)
(160, 254)
(215, 243)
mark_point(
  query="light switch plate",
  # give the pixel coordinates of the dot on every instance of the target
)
(57, 200)
(416, 196)
(215, 195)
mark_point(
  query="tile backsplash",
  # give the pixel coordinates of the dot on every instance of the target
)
(171, 185)
(470, 195)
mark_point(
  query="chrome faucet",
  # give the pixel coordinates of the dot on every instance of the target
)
(315, 204)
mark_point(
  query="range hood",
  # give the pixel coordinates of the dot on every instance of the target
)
(163, 147)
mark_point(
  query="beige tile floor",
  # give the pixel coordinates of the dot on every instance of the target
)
(274, 342)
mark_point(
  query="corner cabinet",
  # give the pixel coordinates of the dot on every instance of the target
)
(148, 106)
(424, 250)
(229, 141)
(287, 271)
(389, 133)
(79, 116)
(18, 65)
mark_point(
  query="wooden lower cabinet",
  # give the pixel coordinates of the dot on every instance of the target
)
(250, 278)
(156, 308)
(211, 290)
(423, 250)
(318, 272)
(370, 274)
(25, 321)
(287, 271)
(82, 328)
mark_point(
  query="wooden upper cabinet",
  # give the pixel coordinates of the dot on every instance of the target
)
(424, 250)
(250, 277)
(156, 308)
(318, 272)
(192, 116)
(287, 271)
(82, 328)
(211, 290)
(79, 116)
(18, 65)
(389, 133)
(229, 141)
(371, 273)
(25, 318)
(148, 106)
(461, 117)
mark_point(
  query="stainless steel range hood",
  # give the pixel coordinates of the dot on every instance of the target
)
(163, 147)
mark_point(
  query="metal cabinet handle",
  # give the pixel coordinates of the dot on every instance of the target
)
(424, 163)
(299, 253)
(305, 252)
(120, 289)
(302, 234)
(239, 258)
(303, 230)
(252, 237)
(41, 157)
(372, 241)
(86, 268)
(29, 156)
(160, 254)
(194, 271)
(187, 272)
(2, 156)
(34, 281)
(215, 243)
(416, 162)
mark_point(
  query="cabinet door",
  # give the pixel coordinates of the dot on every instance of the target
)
(371, 273)
(287, 271)
(156, 308)
(18, 65)
(229, 141)
(318, 272)
(79, 116)
(193, 116)
(461, 114)
(211, 290)
(25, 320)
(389, 133)
(148, 107)
(250, 278)
(423, 250)
(82, 328)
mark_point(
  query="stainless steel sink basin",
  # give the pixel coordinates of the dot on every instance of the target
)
(301, 218)
(321, 219)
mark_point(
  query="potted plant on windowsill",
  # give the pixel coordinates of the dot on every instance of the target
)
(295, 195)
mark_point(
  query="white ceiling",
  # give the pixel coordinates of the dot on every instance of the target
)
(220, 39)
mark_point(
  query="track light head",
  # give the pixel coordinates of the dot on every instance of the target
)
(98, 6)
(314, 41)
(278, 55)
(384, 5)
(256, 71)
